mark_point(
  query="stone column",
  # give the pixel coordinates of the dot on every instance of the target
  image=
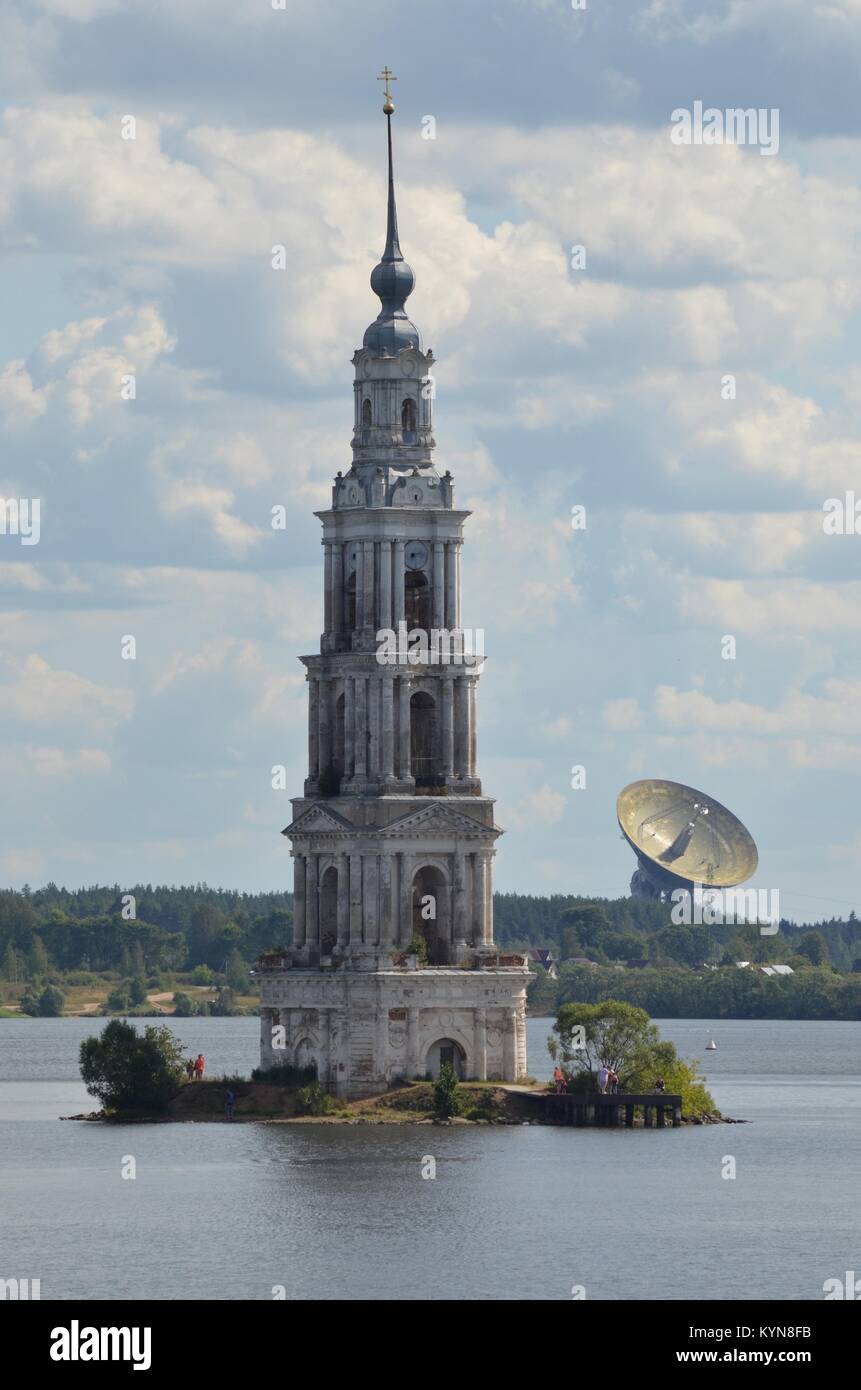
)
(439, 585)
(325, 712)
(298, 899)
(355, 899)
(360, 736)
(479, 896)
(413, 1062)
(360, 585)
(385, 899)
(480, 1044)
(447, 730)
(349, 725)
(337, 587)
(388, 728)
(370, 899)
(451, 585)
(312, 900)
(458, 620)
(488, 899)
(369, 605)
(405, 927)
(374, 726)
(385, 584)
(404, 770)
(327, 586)
(461, 726)
(324, 1016)
(459, 926)
(398, 577)
(343, 899)
(313, 727)
(472, 729)
(509, 1046)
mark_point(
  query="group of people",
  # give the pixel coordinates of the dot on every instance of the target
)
(194, 1069)
(608, 1081)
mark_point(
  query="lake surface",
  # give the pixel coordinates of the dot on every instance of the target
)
(222, 1211)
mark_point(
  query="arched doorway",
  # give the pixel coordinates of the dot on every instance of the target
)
(430, 913)
(446, 1050)
(423, 761)
(329, 911)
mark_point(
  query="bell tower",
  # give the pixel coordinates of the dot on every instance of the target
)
(393, 966)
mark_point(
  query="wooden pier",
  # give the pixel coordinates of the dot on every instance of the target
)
(611, 1111)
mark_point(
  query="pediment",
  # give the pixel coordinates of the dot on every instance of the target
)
(319, 820)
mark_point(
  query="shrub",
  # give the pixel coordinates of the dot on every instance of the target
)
(202, 975)
(285, 1075)
(128, 1071)
(184, 1006)
(118, 1001)
(446, 1100)
(313, 1100)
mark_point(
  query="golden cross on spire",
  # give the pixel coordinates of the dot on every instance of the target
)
(387, 76)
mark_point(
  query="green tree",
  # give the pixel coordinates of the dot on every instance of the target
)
(128, 1071)
(50, 1002)
(10, 964)
(812, 945)
(37, 959)
(446, 1097)
(137, 991)
(117, 1001)
(621, 1036)
(236, 973)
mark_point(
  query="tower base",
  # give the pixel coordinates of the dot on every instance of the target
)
(364, 1030)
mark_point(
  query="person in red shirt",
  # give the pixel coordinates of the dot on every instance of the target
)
(199, 1066)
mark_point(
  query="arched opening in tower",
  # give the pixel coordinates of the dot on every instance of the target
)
(430, 912)
(408, 420)
(366, 414)
(417, 600)
(329, 911)
(424, 764)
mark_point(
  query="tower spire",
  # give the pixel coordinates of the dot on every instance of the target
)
(391, 279)
(393, 249)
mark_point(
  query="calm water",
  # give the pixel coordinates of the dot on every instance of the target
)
(342, 1212)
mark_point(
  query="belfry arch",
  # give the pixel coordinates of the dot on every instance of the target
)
(431, 917)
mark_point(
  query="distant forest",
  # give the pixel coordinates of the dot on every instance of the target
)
(179, 928)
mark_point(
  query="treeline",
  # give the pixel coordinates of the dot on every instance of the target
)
(159, 928)
(608, 930)
(137, 928)
(727, 992)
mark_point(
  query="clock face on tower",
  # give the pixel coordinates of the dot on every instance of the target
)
(415, 555)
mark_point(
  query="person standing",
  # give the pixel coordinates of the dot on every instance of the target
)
(559, 1078)
(199, 1066)
(229, 1103)
(603, 1078)
(189, 1069)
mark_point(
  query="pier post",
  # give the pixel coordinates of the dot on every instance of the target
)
(647, 1117)
(677, 1116)
(660, 1116)
(629, 1116)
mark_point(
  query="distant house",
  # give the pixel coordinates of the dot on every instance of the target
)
(742, 964)
(777, 970)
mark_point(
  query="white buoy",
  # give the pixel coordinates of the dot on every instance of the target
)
(711, 1045)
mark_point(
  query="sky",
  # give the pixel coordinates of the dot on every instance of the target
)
(690, 378)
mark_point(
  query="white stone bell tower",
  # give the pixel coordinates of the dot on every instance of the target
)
(392, 839)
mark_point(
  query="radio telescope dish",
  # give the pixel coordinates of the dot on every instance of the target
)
(681, 837)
